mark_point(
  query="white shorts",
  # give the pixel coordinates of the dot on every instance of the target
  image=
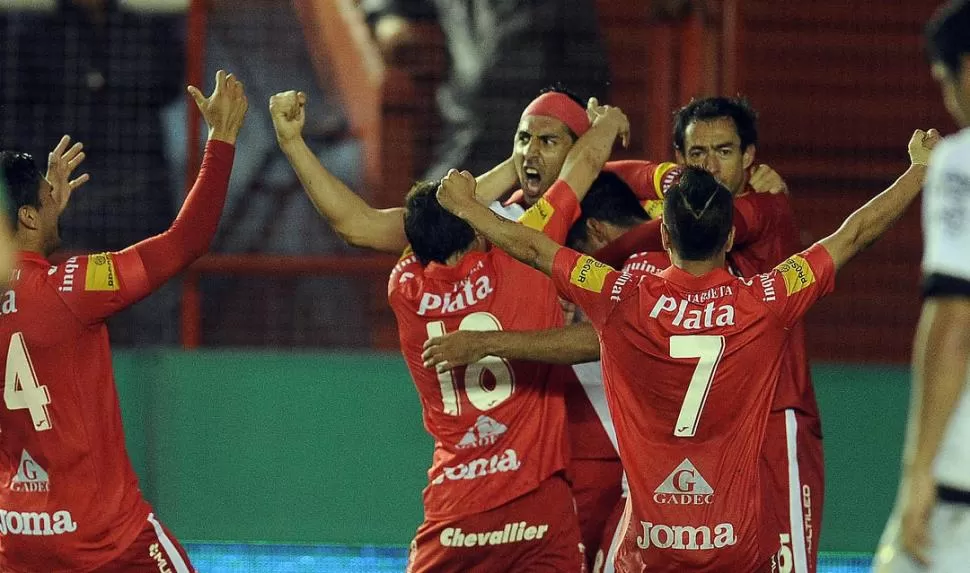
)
(949, 543)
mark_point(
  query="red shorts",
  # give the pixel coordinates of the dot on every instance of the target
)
(794, 482)
(604, 555)
(598, 489)
(155, 550)
(537, 532)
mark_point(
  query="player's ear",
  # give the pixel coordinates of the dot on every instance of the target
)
(28, 216)
(664, 236)
(748, 156)
(729, 244)
(679, 157)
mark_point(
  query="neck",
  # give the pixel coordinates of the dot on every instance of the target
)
(31, 244)
(698, 268)
(455, 258)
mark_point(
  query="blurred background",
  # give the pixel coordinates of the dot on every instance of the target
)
(263, 395)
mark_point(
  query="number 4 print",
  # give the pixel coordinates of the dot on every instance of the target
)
(709, 350)
(20, 388)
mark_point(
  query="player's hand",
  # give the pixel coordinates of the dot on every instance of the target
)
(764, 179)
(288, 110)
(921, 144)
(917, 505)
(611, 114)
(454, 349)
(225, 109)
(457, 190)
(61, 163)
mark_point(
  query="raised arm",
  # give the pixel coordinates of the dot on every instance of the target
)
(870, 221)
(573, 344)
(356, 222)
(457, 195)
(591, 151)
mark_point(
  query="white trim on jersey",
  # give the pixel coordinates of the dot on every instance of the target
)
(795, 517)
(511, 212)
(608, 566)
(174, 557)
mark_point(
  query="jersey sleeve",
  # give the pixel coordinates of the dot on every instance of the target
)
(554, 213)
(94, 287)
(946, 220)
(648, 180)
(792, 287)
(594, 287)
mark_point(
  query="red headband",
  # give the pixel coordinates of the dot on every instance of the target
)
(562, 107)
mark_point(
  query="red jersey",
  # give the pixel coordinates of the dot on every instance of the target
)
(499, 425)
(690, 434)
(69, 499)
(69, 496)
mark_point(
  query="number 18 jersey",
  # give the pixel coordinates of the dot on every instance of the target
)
(690, 366)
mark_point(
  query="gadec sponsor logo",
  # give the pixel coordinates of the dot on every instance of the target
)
(466, 295)
(31, 477)
(481, 467)
(685, 537)
(511, 533)
(694, 318)
(684, 486)
(36, 523)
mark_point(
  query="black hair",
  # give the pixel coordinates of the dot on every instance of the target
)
(434, 233)
(611, 200)
(21, 179)
(948, 35)
(698, 215)
(738, 109)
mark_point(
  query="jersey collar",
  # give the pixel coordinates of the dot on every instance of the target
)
(442, 272)
(682, 278)
(32, 257)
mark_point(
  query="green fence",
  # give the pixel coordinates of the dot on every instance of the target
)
(329, 448)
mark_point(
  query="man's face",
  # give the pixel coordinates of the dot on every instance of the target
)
(956, 90)
(541, 145)
(715, 146)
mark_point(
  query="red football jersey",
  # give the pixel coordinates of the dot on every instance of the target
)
(69, 497)
(690, 432)
(499, 425)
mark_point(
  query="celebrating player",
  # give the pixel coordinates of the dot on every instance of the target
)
(497, 498)
(71, 500)
(930, 526)
(691, 433)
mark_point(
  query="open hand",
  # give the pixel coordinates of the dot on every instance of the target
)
(61, 163)
(225, 109)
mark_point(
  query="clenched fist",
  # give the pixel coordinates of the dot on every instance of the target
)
(457, 190)
(921, 144)
(288, 110)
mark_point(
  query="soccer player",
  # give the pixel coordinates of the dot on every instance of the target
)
(929, 529)
(70, 500)
(690, 433)
(547, 131)
(497, 498)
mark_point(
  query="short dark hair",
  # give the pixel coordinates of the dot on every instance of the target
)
(698, 214)
(21, 179)
(434, 233)
(948, 34)
(611, 200)
(738, 109)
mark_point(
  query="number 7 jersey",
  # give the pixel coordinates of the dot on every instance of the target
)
(690, 367)
(69, 499)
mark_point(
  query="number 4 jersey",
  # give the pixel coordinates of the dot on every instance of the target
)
(690, 366)
(69, 499)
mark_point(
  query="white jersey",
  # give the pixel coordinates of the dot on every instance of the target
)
(946, 238)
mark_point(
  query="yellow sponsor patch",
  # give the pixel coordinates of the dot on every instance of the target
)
(665, 175)
(101, 273)
(538, 215)
(589, 274)
(797, 274)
